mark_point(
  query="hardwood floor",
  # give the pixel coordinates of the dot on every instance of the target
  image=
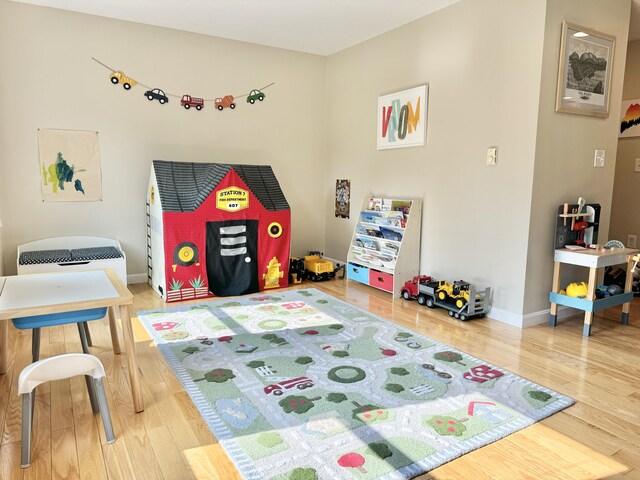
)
(598, 437)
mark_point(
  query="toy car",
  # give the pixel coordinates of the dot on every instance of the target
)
(255, 95)
(120, 77)
(156, 94)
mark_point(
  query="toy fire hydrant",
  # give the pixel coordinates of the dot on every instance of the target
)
(273, 275)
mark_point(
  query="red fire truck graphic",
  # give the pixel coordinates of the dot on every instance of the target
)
(278, 388)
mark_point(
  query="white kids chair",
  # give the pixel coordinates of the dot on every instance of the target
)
(58, 368)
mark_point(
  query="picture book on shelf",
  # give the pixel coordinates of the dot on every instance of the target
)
(389, 234)
(375, 204)
(370, 217)
(401, 206)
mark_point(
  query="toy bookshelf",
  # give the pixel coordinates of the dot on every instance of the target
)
(385, 247)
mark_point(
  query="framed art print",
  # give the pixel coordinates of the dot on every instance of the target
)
(402, 118)
(584, 73)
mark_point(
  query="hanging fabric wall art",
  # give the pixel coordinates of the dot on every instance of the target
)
(69, 166)
(343, 194)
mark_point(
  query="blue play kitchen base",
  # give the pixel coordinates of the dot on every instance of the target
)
(588, 306)
(593, 259)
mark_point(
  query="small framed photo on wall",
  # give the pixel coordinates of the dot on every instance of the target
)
(402, 118)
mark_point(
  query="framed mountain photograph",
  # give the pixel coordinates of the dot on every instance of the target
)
(584, 73)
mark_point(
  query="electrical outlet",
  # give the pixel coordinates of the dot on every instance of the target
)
(598, 159)
(492, 155)
(632, 241)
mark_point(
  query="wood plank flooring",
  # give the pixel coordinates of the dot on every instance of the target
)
(598, 437)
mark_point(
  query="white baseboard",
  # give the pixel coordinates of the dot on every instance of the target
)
(537, 318)
(530, 319)
(504, 316)
(137, 278)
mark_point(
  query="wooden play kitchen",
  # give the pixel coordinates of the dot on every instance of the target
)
(592, 259)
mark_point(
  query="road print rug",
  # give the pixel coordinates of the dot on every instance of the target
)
(298, 385)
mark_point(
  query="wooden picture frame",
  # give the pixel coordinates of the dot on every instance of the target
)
(584, 72)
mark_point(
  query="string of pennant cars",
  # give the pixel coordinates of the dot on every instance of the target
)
(186, 100)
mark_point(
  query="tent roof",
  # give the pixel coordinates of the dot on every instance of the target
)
(184, 186)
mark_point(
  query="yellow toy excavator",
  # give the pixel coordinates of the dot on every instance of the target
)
(456, 292)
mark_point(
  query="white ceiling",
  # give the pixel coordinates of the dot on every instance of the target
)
(313, 26)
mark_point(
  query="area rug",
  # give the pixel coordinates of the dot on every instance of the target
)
(299, 385)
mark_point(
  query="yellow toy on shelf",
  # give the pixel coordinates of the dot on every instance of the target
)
(577, 290)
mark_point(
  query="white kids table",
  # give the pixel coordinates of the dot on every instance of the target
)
(46, 293)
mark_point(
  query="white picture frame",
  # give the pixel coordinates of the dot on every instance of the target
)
(402, 118)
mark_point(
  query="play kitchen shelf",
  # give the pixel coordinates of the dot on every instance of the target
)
(592, 259)
(385, 247)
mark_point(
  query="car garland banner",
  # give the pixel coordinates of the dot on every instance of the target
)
(185, 100)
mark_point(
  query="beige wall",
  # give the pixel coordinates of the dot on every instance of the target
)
(566, 143)
(50, 81)
(625, 210)
(482, 62)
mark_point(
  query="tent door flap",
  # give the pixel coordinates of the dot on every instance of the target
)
(232, 257)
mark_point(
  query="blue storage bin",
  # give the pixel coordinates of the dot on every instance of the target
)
(358, 273)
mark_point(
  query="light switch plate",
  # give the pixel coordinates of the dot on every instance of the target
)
(598, 159)
(637, 168)
(492, 155)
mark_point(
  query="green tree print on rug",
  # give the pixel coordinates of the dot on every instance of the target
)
(535, 397)
(383, 457)
(298, 473)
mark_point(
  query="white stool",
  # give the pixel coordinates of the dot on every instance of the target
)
(58, 368)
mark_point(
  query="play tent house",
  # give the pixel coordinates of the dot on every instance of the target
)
(216, 229)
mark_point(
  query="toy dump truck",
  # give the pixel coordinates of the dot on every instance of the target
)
(317, 267)
(312, 267)
(120, 77)
(459, 298)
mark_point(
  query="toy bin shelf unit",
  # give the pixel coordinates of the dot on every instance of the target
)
(385, 248)
(216, 229)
